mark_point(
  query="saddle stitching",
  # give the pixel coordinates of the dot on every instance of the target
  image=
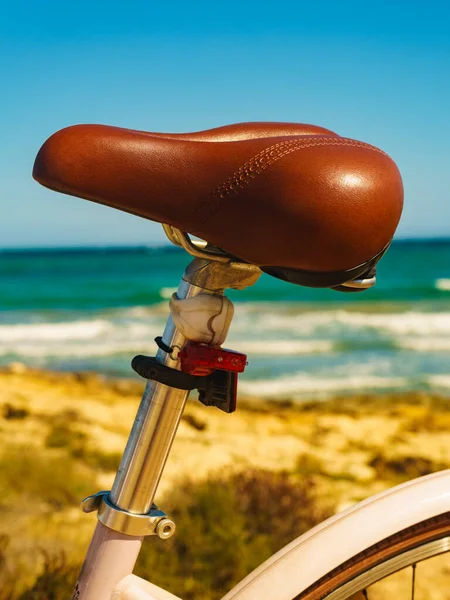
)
(260, 162)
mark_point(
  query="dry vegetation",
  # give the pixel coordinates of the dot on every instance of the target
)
(241, 486)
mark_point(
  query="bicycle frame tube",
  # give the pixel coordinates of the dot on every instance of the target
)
(112, 555)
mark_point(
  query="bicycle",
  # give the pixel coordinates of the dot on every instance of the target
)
(322, 221)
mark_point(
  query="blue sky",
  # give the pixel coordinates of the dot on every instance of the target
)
(375, 71)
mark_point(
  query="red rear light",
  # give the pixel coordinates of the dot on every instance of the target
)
(200, 359)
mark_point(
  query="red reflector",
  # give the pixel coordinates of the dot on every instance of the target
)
(200, 359)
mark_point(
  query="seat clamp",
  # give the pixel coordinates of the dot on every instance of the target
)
(153, 523)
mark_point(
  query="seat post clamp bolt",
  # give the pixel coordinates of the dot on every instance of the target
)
(165, 529)
(153, 523)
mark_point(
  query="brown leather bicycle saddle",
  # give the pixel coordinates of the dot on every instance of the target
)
(299, 201)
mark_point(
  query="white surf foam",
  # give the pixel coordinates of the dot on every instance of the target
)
(108, 349)
(73, 330)
(443, 285)
(307, 323)
(424, 344)
(440, 381)
(301, 384)
(83, 338)
(281, 347)
(167, 292)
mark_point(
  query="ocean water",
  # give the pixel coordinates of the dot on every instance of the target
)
(95, 309)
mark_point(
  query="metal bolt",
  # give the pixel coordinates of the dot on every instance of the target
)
(165, 529)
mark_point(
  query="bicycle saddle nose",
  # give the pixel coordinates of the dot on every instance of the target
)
(292, 199)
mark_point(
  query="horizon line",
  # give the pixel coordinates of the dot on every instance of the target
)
(167, 244)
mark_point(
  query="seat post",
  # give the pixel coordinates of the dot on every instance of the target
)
(127, 513)
(153, 431)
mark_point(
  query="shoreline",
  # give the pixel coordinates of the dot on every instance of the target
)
(132, 386)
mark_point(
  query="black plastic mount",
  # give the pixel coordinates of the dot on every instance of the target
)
(217, 389)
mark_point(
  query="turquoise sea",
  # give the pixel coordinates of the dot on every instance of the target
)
(94, 309)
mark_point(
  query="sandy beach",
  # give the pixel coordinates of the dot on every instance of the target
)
(63, 434)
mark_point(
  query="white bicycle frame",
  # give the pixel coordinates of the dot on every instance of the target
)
(127, 513)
